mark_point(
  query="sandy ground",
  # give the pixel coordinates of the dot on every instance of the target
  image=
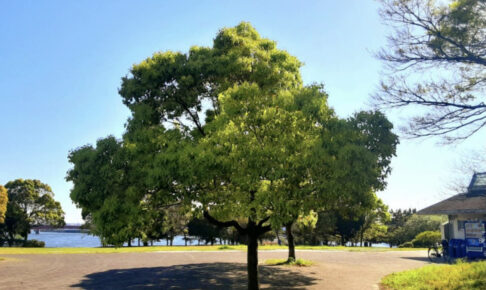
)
(201, 270)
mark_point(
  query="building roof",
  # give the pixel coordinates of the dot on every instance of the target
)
(458, 204)
(472, 202)
(478, 184)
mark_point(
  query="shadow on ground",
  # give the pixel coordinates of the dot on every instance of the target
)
(421, 259)
(194, 276)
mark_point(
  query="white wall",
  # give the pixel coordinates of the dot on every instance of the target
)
(458, 231)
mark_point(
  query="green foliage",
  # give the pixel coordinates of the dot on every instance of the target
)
(230, 131)
(399, 217)
(374, 226)
(3, 203)
(407, 245)
(34, 244)
(259, 128)
(30, 203)
(427, 239)
(304, 228)
(104, 191)
(324, 231)
(203, 230)
(414, 225)
(459, 276)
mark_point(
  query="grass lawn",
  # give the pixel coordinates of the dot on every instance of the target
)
(6, 250)
(458, 276)
(284, 262)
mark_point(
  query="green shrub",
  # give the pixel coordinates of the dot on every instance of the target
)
(426, 239)
(406, 245)
(34, 244)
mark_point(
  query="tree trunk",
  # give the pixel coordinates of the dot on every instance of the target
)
(290, 240)
(25, 238)
(279, 242)
(252, 232)
(252, 259)
(130, 242)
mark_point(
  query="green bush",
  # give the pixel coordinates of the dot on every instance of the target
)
(34, 244)
(406, 245)
(426, 239)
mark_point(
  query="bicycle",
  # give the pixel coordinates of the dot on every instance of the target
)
(439, 252)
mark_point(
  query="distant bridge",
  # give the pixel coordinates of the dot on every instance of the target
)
(66, 229)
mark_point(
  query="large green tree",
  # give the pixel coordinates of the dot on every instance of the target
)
(30, 203)
(230, 131)
(443, 42)
(206, 95)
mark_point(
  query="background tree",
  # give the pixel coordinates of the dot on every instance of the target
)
(3, 203)
(348, 224)
(304, 228)
(325, 227)
(104, 191)
(30, 203)
(375, 218)
(176, 222)
(444, 42)
(463, 169)
(357, 153)
(204, 230)
(398, 218)
(414, 225)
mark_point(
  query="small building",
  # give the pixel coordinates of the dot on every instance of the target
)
(467, 218)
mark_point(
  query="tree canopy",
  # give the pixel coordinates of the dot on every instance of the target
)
(231, 132)
(3, 203)
(444, 43)
(30, 203)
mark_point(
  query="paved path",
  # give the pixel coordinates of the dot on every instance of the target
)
(201, 270)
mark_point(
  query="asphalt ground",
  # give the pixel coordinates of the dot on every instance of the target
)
(202, 270)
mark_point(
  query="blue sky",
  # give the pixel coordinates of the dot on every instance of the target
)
(61, 64)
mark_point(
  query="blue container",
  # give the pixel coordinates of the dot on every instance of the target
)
(474, 248)
(452, 248)
(461, 249)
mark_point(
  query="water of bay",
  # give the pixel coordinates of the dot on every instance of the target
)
(81, 240)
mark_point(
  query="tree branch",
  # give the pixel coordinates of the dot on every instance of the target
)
(226, 224)
(260, 223)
